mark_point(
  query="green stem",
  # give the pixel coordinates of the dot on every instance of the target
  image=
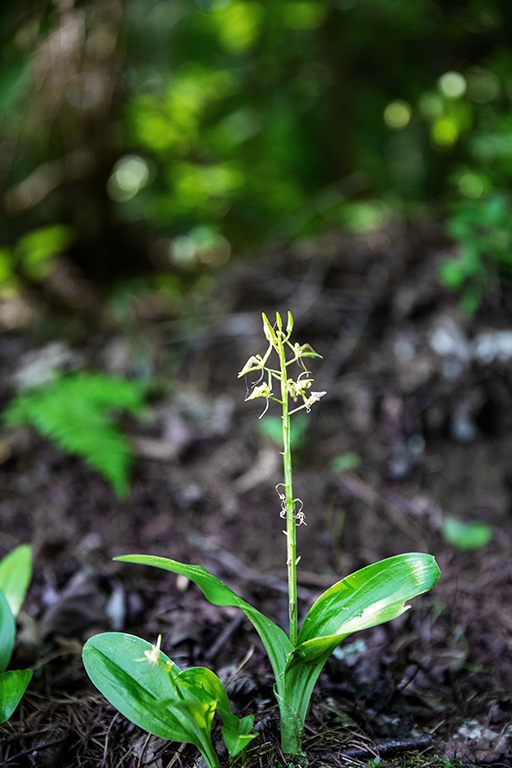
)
(209, 753)
(291, 546)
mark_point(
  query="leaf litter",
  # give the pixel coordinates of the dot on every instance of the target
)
(436, 682)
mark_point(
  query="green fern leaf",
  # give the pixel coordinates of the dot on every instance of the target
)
(78, 412)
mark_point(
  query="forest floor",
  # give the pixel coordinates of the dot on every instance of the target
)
(420, 394)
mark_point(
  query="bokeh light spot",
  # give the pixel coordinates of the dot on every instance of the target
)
(397, 115)
(445, 132)
(430, 106)
(483, 86)
(452, 85)
(471, 185)
(130, 174)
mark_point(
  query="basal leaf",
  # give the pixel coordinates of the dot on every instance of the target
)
(276, 643)
(116, 664)
(15, 573)
(370, 596)
(310, 650)
(13, 685)
(292, 724)
(7, 632)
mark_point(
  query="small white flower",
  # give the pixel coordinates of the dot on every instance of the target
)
(263, 390)
(313, 398)
(152, 656)
(254, 363)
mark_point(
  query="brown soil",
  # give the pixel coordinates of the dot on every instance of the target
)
(431, 423)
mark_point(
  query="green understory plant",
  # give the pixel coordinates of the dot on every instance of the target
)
(368, 597)
(78, 411)
(15, 572)
(483, 231)
(466, 535)
(34, 256)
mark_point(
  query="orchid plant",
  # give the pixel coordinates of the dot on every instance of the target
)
(180, 705)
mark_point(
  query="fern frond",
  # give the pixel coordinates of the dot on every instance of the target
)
(78, 412)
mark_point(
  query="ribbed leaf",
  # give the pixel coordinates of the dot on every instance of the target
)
(180, 709)
(116, 664)
(370, 596)
(276, 642)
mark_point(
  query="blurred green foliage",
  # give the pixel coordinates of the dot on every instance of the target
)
(483, 230)
(272, 428)
(466, 536)
(346, 461)
(189, 130)
(79, 413)
(33, 256)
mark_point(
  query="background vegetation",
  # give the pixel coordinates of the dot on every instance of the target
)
(166, 136)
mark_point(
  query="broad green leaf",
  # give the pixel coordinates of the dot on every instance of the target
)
(370, 596)
(7, 632)
(15, 573)
(116, 664)
(317, 646)
(13, 685)
(276, 643)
